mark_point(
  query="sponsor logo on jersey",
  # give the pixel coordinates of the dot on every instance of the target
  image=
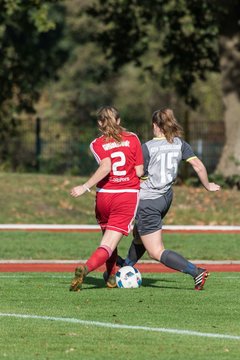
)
(113, 145)
(121, 179)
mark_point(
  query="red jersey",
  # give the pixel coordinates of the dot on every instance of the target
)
(124, 157)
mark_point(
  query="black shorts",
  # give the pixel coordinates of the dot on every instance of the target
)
(151, 212)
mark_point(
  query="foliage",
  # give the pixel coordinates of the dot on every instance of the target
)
(195, 38)
(74, 78)
(30, 32)
(88, 81)
(233, 181)
(85, 83)
(80, 88)
(24, 58)
(187, 45)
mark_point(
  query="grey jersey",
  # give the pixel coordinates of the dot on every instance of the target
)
(161, 160)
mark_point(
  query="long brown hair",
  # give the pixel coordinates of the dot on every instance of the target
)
(168, 124)
(108, 118)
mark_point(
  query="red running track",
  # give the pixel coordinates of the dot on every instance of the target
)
(144, 268)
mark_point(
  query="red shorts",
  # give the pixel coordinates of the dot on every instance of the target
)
(116, 211)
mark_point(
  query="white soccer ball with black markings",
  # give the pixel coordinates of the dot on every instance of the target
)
(128, 277)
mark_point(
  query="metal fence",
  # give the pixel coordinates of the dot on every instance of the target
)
(207, 140)
(43, 147)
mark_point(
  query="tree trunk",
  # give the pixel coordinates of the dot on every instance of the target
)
(229, 163)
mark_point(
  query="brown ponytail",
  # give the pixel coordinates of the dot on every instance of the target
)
(168, 124)
(109, 125)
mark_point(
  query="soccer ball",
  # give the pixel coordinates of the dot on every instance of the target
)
(128, 277)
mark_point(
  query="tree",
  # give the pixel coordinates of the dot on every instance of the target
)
(85, 83)
(229, 42)
(69, 104)
(195, 38)
(30, 53)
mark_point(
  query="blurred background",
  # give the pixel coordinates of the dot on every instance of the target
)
(61, 60)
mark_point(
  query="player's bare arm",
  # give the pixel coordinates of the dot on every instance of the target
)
(139, 170)
(201, 171)
(102, 171)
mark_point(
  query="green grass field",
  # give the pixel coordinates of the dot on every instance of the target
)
(72, 246)
(101, 323)
(163, 319)
(45, 199)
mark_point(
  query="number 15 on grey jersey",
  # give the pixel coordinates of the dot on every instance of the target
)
(161, 160)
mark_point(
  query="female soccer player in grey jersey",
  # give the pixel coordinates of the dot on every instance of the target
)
(162, 155)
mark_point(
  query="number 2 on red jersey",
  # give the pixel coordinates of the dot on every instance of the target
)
(117, 164)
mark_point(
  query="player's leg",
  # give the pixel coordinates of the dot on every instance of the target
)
(135, 252)
(111, 263)
(102, 253)
(148, 220)
(109, 274)
(105, 206)
(115, 213)
(136, 249)
(99, 257)
(153, 244)
(150, 208)
(155, 248)
(122, 219)
(149, 226)
(177, 262)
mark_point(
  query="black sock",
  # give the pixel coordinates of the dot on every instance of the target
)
(135, 253)
(176, 261)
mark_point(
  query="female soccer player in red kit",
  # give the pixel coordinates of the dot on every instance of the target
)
(120, 160)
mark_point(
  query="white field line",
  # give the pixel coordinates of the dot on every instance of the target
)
(96, 227)
(128, 327)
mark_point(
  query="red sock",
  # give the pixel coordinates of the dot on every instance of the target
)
(111, 263)
(98, 258)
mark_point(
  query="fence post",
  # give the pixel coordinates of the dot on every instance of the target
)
(38, 143)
